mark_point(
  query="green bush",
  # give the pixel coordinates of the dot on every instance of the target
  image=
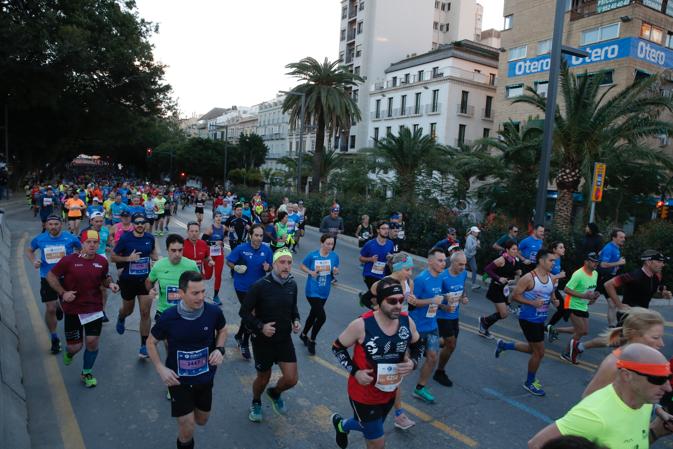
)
(657, 235)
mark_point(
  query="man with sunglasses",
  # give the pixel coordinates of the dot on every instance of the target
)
(134, 251)
(449, 242)
(387, 348)
(512, 234)
(619, 415)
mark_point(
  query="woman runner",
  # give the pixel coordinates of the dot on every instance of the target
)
(503, 272)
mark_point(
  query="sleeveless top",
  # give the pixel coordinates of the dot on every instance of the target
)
(381, 353)
(542, 291)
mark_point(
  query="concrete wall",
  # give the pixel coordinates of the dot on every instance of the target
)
(13, 414)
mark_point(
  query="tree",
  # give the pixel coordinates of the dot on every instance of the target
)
(253, 150)
(467, 162)
(591, 124)
(328, 103)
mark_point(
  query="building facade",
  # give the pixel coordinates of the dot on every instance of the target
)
(448, 93)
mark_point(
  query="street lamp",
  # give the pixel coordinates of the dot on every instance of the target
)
(226, 157)
(557, 49)
(301, 134)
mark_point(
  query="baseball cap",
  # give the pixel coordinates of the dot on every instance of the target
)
(95, 198)
(96, 214)
(592, 256)
(451, 231)
(125, 214)
(137, 215)
(53, 217)
(335, 209)
(651, 254)
(475, 229)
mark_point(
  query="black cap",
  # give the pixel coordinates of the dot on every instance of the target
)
(592, 256)
(125, 214)
(651, 254)
(451, 231)
(137, 215)
(53, 217)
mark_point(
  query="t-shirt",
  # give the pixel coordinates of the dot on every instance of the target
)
(504, 239)
(602, 417)
(143, 246)
(149, 208)
(245, 254)
(611, 253)
(75, 207)
(452, 287)
(293, 221)
(238, 228)
(46, 204)
(160, 205)
(190, 343)
(529, 248)
(116, 210)
(91, 209)
(53, 249)
(581, 282)
(168, 275)
(120, 230)
(427, 286)
(371, 248)
(84, 276)
(638, 288)
(136, 209)
(320, 287)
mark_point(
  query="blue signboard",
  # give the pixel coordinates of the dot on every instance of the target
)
(629, 47)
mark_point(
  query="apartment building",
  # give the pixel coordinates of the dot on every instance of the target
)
(448, 93)
(376, 32)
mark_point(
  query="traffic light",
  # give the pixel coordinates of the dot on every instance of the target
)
(182, 174)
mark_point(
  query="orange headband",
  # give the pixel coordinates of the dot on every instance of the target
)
(649, 369)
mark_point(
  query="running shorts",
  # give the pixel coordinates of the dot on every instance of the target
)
(132, 287)
(371, 417)
(448, 328)
(267, 352)
(186, 398)
(47, 293)
(73, 328)
(534, 332)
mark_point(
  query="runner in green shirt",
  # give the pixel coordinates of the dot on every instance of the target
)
(160, 209)
(580, 293)
(167, 272)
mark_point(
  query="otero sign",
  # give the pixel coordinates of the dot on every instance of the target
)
(607, 5)
(629, 47)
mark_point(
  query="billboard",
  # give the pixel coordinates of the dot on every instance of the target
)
(607, 5)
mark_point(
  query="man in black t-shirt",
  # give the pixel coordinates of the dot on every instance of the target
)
(238, 227)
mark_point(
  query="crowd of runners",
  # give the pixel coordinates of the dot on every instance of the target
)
(102, 235)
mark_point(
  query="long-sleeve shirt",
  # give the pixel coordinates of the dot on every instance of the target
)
(471, 244)
(270, 301)
(331, 226)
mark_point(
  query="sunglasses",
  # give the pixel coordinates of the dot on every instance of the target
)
(138, 223)
(655, 380)
(393, 301)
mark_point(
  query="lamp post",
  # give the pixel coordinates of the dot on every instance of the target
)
(226, 156)
(300, 150)
(557, 49)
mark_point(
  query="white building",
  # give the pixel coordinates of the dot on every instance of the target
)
(448, 92)
(376, 32)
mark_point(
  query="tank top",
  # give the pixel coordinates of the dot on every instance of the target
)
(216, 239)
(542, 291)
(218, 233)
(381, 353)
(407, 291)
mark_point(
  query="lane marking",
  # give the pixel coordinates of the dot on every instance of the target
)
(71, 434)
(605, 315)
(520, 405)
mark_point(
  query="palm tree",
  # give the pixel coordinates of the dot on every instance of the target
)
(328, 102)
(591, 122)
(467, 162)
(331, 161)
(408, 153)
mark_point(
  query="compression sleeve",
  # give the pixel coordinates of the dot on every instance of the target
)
(416, 351)
(344, 358)
(490, 270)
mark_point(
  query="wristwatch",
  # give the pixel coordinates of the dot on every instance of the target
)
(221, 349)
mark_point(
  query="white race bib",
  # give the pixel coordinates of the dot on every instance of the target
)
(506, 291)
(215, 250)
(432, 311)
(323, 267)
(85, 318)
(54, 253)
(453, 298)
(378, 267)
(47, 201)
(387, 377)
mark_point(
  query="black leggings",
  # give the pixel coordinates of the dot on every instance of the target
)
(316, 317)
(560, 311)
(243, 334)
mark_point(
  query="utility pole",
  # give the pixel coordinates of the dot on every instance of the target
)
(226, 156)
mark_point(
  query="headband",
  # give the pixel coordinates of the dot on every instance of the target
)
(280, 253)
(648, 369)
(89, 235)
(407, 262)
(390, 290)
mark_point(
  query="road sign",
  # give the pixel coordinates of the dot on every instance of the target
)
(599, 181)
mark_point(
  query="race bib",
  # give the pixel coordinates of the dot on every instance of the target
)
(400, 234)
(215, 250)
(378, 267)
(85, 318)
(47, 201)
(387, 377)
(140, 267)
(365, 235)
(52, 254)
(506, 291)
(323, 267)
(192, 363)
(172, 295)
(432, 311)
(453, 298)
(543, 309)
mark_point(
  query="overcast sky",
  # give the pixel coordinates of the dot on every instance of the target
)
(221, 53)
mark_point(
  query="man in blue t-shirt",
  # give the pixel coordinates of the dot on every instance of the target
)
(423, 308)
(250, 261)
(529, 247)
(610, 261)
(117, 208)
(374, 255)
(47, 202)
(54, 244)
(94, 207)
(195, 334)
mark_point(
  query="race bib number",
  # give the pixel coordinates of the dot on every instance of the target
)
(172, 295)
(387, 377)
(400, 234)
(47, 202)
(193, 363)
(365, 235)
(378, 267)
(323, 267)
(543, 309)
(432, 311)
(52, 254)
(85, 318)
(453, 298)
(215, 250)
(506, 291)
(140, 267)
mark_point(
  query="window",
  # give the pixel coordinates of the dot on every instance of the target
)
(518, 52)
(488, 108)
(652, 33)
(463, 101)
(352, 143)
(669, 8)
(406, 78)
(417, 103)
(403, 105)
(376, 134)
(436, 5)
(461, 134)
(399, 130)
(343, 35)
(435, 100)
(356, 95)
(433, 130)
(290, 146)
(390, 107)
(435, 72)
(435, 25)
(448, 6)
(341, 56)
(446, 28)
(344, 12)
(416, 126)
(599, 34)
(491, 79)
(441, 27)
(514, 90)
(420, 75)
(378, 109)
(640, 75)
(508, 22)
(358, 51)
(669, 37)
(443, 6)
(486, 133)
(360, 27)
(362, 5)
(544, 47)
(541, 87)
(654, 4)
(357, 70)
(394, 81)
(606, 76)
(389, 130)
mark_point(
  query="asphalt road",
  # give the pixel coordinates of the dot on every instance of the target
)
(486, 407)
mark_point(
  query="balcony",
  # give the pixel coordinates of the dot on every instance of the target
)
(447, 72)
(352, 12)
(351, 34)
(465, 110)
(433, 108)
(459, 142)
(589, 8)
(487, 114)
(349, 58)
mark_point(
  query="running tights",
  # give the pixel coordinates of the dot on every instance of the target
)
(316, 317)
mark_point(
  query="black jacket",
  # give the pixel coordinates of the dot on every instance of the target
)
(268, 301)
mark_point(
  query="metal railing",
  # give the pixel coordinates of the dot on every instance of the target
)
(465, 109)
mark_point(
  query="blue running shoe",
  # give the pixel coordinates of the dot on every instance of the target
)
(121, 326)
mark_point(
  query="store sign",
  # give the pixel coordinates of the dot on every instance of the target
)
(607, 5)
(629, 47)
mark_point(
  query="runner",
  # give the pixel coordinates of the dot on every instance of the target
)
(116, 209)
(364, 231)
(449, 242)
(195, 334)
(512, 234)
(320, 266)
(426, 300)
(199, 207)
(611, 261)
(374, 255)
(170, 209)
(534, 291)
(54, 244)
(214, 235)
(472, 245)
(249, 263)
(293, 220)
(46, 203)
(135, 250)
(198, 250)
(559, 276)
(160, 208)
(74, 206)
(123, 226)
(77, 279)
(503, 272)
(332, 224)
(301, 211)
(270, 311)
(453, 287)
(150, 213)
(238, 227)
(529, 247)
(387, 348)
(105, 245)
(281, 238)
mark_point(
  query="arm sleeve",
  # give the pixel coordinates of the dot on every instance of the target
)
(490, 270)
(246, 311)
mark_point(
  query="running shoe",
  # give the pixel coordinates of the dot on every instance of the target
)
(142, 352)
(304, 339)
(403, 422)
(59, 313)
(245, 350)
(341, 435)
(499, 347)
(67, 358)
(216, 300)
(552, 333)
(278, 404)
(442, 378)
(105, 318)
(121, 325)
(424, 395)
(255, 414)
(566, 356)
(88, 380)
(476, 287)
(534, 388)
(483, 330)
(55, 346)
(574, 350)
(311, 347)
(168, 395)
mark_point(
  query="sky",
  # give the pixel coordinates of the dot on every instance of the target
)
(221, 53)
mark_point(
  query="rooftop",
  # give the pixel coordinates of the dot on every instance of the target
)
(465, 49)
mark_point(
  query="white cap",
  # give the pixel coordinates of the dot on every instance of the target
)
(475, 229)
